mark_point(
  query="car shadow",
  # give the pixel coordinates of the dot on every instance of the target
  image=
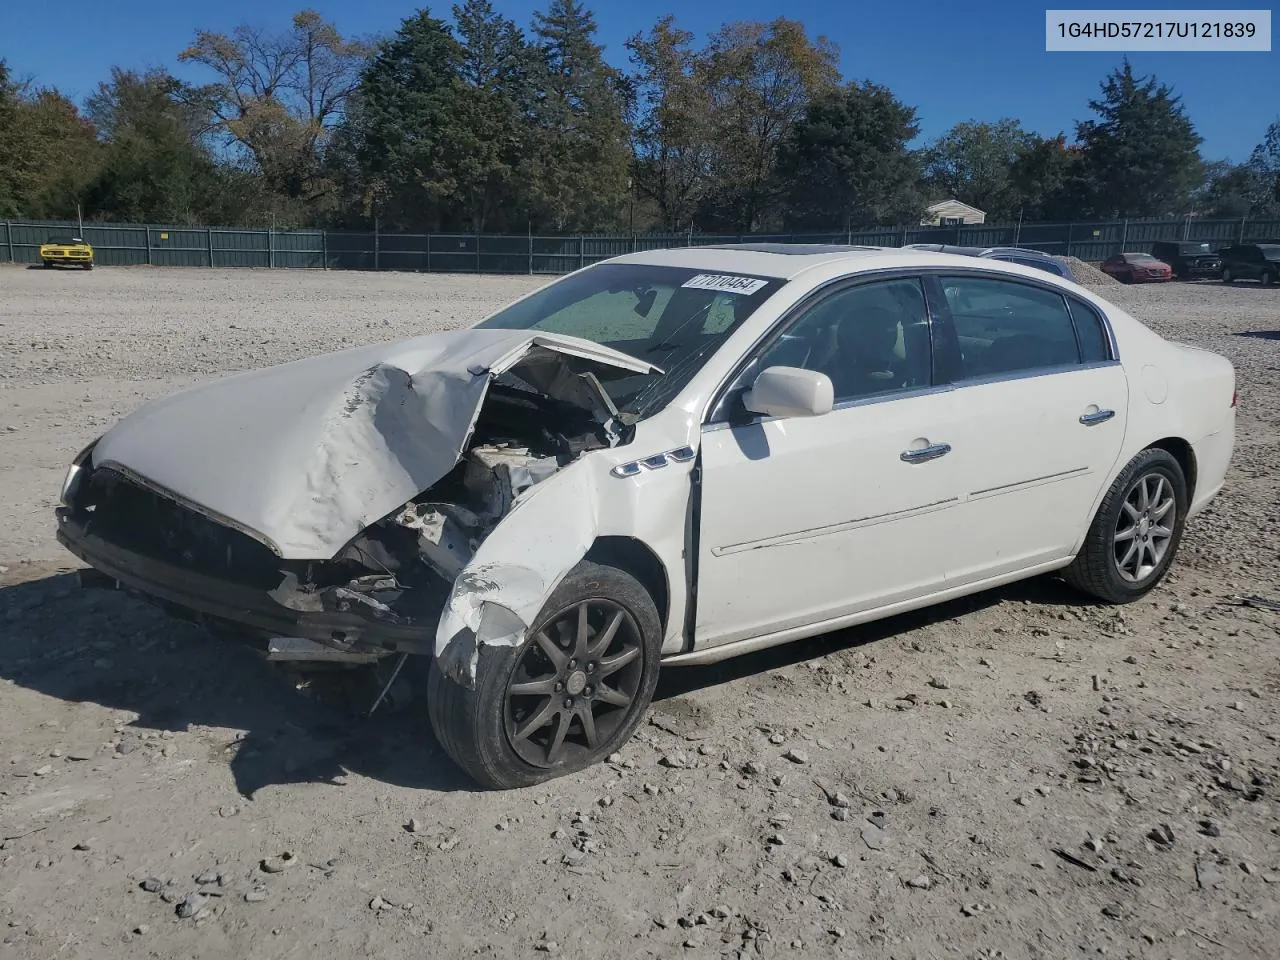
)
(1261, 334)
(274, 727)
(676, 682)
(107, 647)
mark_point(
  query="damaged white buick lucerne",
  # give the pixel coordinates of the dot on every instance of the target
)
(666, 458)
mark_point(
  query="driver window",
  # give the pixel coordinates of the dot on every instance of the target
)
(870, 339)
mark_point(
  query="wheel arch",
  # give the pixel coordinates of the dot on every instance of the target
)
(1182, 451)
(638, 559)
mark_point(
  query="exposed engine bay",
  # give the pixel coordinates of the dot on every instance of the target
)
(384, 591)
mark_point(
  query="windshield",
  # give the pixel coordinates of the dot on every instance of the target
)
(1193, 248)
(63, 240)
(672, 317)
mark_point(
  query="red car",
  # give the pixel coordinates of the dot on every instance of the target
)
(1136, 268)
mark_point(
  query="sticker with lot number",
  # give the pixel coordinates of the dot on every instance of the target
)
(726, 283)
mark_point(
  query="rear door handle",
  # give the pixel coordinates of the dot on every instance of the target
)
(1100, 416)
(931, 452)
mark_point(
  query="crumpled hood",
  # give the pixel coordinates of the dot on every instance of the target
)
(307, 454)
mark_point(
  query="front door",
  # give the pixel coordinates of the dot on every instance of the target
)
(808, 519)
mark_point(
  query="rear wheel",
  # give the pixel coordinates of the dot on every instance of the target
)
(1135, 534)
(567, 697)
(1268, 278)
(1226, 275)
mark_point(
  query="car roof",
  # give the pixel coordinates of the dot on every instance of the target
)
(785, 261)
(778, 260)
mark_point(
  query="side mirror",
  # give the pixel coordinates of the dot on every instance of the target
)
(790, 392)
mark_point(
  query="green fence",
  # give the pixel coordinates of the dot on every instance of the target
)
(187, 246)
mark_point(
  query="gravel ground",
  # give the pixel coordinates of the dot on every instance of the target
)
(1020, 774)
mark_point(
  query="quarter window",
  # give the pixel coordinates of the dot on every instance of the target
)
(1005, 327)
(1094, 347)
(870, 339)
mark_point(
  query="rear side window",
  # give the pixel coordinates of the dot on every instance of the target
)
(1094, 345)
(1006, 328)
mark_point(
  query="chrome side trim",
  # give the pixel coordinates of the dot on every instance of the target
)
(1027, 484)
(656, 462)
(814, 533)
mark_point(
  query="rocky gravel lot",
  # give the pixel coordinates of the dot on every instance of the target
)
(1020, 774)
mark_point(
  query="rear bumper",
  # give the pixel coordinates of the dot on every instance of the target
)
(192, 595)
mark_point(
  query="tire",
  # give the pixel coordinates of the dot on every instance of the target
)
(495, 736)
(1101, 569)
(1226, 275)
(1267, 278)
(88, 266)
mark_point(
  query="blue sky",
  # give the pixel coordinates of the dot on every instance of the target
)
(953, 61)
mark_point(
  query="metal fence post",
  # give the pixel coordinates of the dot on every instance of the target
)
(1242, 222)
(428, 253)
(1124, 235)
(324, 249)
(8, 233)
(531, 249)
(147, 231)
(1068, 253)
(208, 235)
(477, 251)
(582, 251)
(271, 248)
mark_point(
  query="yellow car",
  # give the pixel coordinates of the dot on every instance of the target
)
(68, 250)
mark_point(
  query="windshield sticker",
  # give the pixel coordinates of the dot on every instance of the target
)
(726, 283)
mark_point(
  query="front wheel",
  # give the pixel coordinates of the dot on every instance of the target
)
(572, 693)
(1268, 278)
(1136, 531)
(1226, 275)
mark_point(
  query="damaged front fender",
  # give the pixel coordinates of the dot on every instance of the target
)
(497, 597)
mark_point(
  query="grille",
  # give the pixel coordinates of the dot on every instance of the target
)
(140, 521)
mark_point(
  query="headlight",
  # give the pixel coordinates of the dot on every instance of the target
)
(75, 475)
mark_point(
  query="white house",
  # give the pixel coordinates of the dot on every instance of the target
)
(950, 213)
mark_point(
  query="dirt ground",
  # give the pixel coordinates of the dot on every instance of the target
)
(1020, 774)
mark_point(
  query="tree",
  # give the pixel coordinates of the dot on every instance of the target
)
(1141, 156)
(578, 159)
(760, 78)
(48, 152)
(497, 71)
(401, 125)
(279, 96)
(847, 161)
(671, 130)
(1046, 180)
(973, 162)
(1264, 169)
(156, 165)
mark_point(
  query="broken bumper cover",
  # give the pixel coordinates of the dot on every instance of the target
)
(256, 611)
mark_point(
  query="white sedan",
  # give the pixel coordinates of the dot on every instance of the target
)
(667, 458)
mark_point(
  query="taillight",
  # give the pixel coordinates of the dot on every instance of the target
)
(1234, 395)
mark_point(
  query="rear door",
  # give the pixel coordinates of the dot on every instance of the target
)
(1041, 401)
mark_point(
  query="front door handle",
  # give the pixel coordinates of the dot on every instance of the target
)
(931, 452)
(1099, 416)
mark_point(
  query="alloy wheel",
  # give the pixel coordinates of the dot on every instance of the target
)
(1145, 528)
(575, 684)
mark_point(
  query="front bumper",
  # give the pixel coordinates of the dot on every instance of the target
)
(193, 595)
(82, 259)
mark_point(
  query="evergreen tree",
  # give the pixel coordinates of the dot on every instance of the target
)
(1142, 155)
(847, 163)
